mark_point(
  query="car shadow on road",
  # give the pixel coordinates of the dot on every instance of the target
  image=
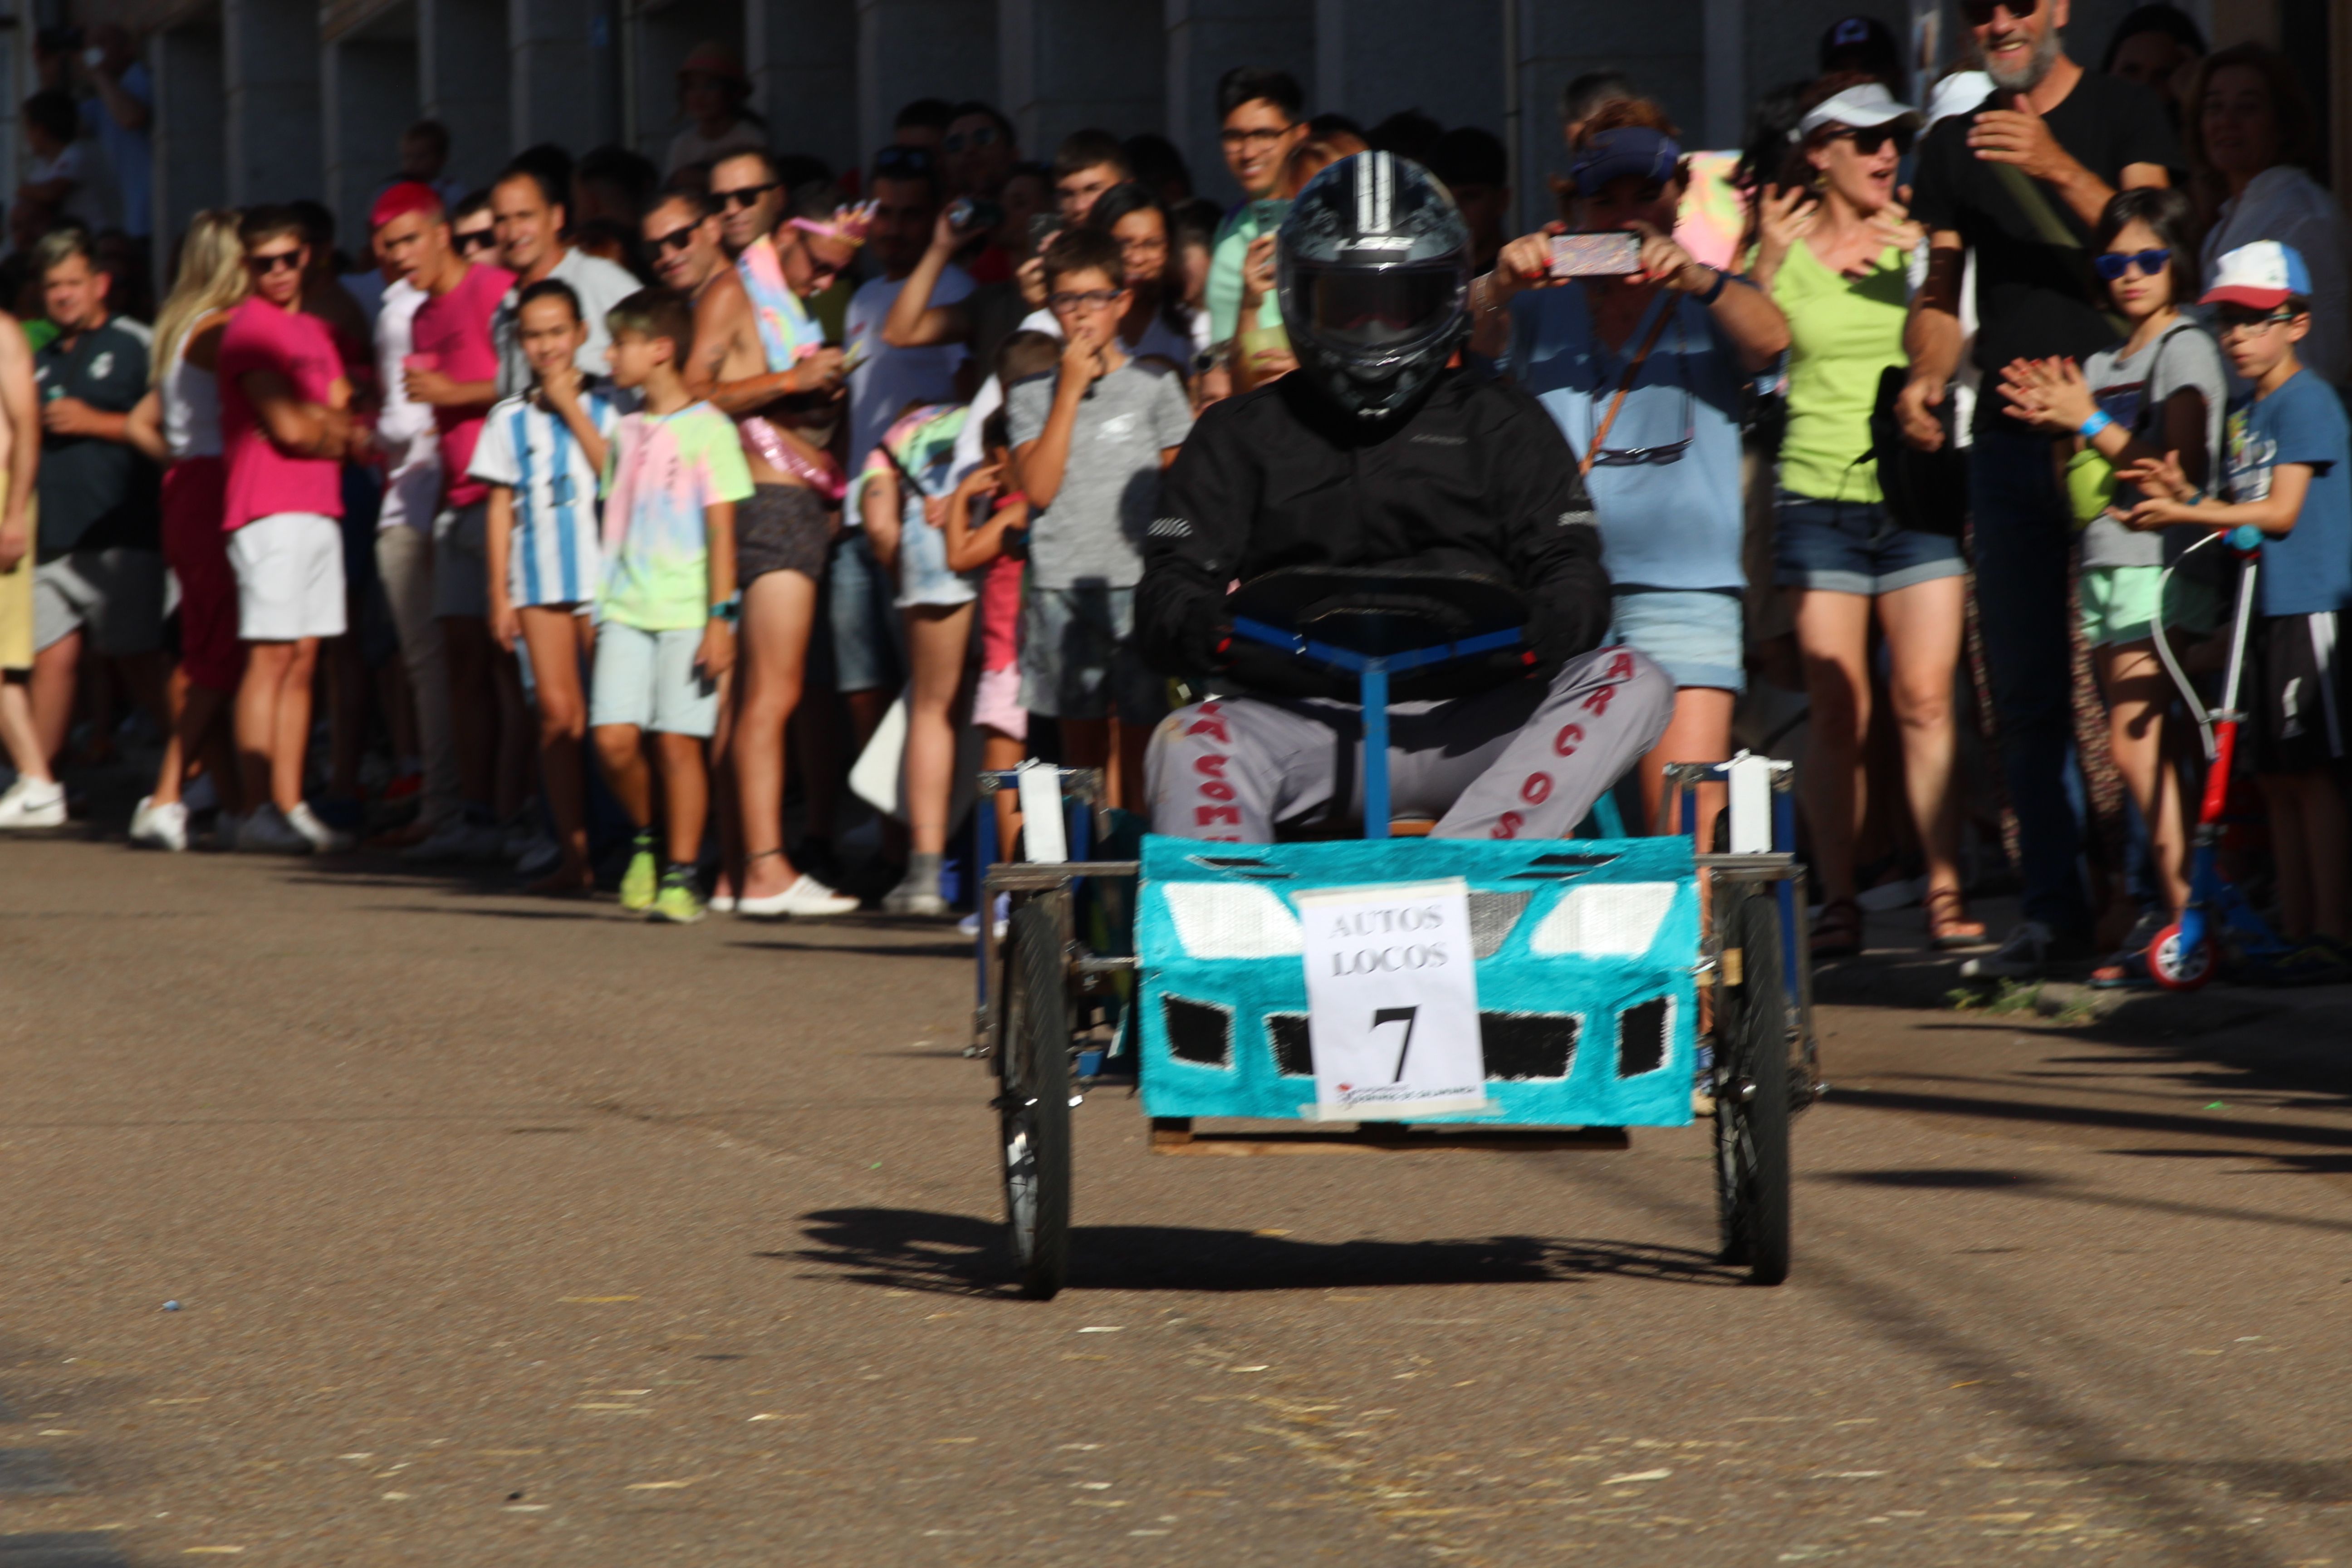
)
(950, 1253)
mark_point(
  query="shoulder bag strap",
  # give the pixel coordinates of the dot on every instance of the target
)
(1626, 382)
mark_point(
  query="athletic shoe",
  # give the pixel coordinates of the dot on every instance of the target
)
(806, 898)
(2027, 952)
(268, 832)
(970, 924)
(29, 805)
(516, 839)
(324, 840)
(161, 826)
(200, 796)
(678, 902)
(456, 841)
(2127, 968)
(2317, 962)
(721, 903)
(642, 880)
(225, 829)
(542, 856)
(915, 896)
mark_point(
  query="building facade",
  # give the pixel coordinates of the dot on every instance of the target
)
(262, 99)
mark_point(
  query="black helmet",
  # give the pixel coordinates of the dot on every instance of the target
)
(1375, 278)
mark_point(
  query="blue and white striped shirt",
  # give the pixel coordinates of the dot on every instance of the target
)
(554, 556)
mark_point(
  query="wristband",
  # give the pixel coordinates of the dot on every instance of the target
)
(1722, 280)
(2099, 420)
(727, 609)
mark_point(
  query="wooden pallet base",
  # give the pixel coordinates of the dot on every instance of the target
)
(1174, 1136)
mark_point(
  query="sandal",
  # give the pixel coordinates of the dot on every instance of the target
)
(2126, 970)
(1952, 927)
(1838, 933)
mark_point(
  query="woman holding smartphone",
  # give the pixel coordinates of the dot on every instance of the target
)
(1639, 353)
(1833, 249)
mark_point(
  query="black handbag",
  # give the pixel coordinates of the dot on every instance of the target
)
(1926, 491)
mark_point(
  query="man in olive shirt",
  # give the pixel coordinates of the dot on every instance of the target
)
(101, 572)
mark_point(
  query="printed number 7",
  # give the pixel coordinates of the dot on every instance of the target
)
(1398, 1016)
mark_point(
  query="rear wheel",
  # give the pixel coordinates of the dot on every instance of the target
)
(1752, 1096)
(1033, 1107)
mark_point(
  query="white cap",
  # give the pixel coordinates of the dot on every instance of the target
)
(1860, 107)
(1957, 93)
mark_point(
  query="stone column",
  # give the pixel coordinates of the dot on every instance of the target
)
(1068, 64)
(802, 57)
(191, 124)
(565, 76)
(659, 40)
(369, 95)
(1208, 37)
(463, 69)
(1659, 44)
(269, 72)
(919, 49)
(1373, 58)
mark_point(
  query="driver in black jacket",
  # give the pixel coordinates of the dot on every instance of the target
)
(1374, 454)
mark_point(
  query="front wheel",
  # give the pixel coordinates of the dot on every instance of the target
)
(2176, 967)
(1033, 1105)
(1751, 1099)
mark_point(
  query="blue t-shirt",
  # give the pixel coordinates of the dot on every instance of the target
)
(2308, 569)
(1664, 525)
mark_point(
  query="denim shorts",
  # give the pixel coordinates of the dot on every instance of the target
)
(1692, 634)
(1855, 547)
(868, 639)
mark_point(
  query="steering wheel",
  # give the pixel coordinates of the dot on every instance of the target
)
(1308, 631)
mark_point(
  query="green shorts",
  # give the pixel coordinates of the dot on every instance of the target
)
(2119, 604)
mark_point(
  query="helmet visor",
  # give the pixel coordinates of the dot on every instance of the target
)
(1374, 311)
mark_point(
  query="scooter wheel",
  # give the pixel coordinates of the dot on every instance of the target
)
(2175, 970)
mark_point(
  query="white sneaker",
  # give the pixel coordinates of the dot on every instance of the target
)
(161, 826)
(268, 832)
(324, 840)
(719, 903)
(2020, 957)
(29, 805)
(806, 898)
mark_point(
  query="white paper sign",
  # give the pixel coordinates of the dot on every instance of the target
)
(1392, 1000)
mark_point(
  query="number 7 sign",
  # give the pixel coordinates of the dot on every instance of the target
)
(1392, 1000)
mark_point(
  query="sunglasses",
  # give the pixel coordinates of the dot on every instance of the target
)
(276, 261)
(676, 239)
(743, 196)
(476, 239)
(1979, 12)
(957, 140)
(1099, 299)
(1867, 142)
(2115, 265)
(903, 160)
(2227, 321)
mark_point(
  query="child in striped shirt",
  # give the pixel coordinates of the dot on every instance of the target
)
(542, 453)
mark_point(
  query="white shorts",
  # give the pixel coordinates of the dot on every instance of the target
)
(648, 679)
(289, 577)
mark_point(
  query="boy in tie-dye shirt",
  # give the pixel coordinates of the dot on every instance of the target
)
(668, 608)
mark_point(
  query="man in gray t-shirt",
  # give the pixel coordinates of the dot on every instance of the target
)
(1092, 534)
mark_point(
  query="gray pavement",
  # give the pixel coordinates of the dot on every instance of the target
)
(507, 1231)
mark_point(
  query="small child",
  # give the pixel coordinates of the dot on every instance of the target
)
(666, 611)
(1090, 444)
(541, 454)
(2287, 471)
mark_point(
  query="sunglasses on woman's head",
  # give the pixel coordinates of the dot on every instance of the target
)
(2113, 263)
(1979, 12)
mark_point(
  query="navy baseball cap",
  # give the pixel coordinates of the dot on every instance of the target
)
(1630, 150)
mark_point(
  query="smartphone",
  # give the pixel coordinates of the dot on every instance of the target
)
(1043, 227)
(970, 214)
(1613, 254)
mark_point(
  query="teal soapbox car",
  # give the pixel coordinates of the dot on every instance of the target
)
(1178, 965)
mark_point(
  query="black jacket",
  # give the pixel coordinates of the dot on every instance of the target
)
(1476, 480)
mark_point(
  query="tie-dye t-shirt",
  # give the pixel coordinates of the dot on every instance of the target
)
(786, 329)
(662, 471)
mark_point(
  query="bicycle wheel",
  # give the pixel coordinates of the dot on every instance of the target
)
(1033, 1107)
(1751, 1098)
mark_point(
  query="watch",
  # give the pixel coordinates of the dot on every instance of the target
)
(729, 609)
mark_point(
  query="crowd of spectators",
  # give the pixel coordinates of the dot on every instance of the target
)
(699, 527)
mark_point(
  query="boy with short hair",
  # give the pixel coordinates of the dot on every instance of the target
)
(2287, 471)
(668, 608)
(542, 454)
(1089, 444)
(1086, 164)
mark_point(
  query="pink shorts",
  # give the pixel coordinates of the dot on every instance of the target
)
(996, 704)
(197, 550)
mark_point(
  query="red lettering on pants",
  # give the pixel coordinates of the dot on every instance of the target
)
(1212, 763)
(1621, 667)
(1214, 790)
(1508, 825)
(1536, 790)
(1203, 815)
(1210, 723)
(1598, 702)
(1567, 741)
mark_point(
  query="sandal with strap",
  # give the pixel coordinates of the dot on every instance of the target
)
(1949, 925)
(1838, 933)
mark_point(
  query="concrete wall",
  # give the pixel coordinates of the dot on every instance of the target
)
(909, 49)
(1066, 63)
(269, 72)
(1661, 45)
(463, 68)
(564, 73)
(659, 40)
(191, 99)
(1374, 57)
(369, 89)
(1205, 39)
(802, 57)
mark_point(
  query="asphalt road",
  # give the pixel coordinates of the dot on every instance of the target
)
(514, 1232)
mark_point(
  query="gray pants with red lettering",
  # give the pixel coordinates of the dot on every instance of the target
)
(1523, 761)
